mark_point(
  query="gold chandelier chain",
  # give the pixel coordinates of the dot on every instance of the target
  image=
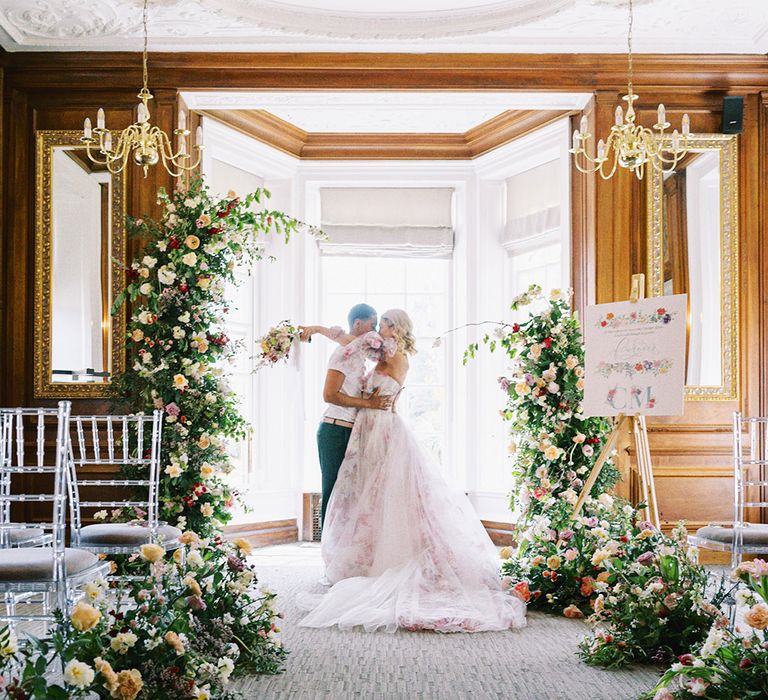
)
(144, 57)
(629, 49)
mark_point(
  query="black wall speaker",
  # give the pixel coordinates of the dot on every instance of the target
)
(733, 115)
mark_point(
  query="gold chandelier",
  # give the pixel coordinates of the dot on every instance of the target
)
(630, 145)
(147, 144)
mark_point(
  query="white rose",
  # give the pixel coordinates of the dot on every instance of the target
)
(178, 332)
(78, 674)
(189, 259)
(162, 246)
(553, 388)
(149, 261)
(145, 289)
(588, 450)
(165, 275)
(184, 318)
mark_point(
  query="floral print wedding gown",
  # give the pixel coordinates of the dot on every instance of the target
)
(401, 548)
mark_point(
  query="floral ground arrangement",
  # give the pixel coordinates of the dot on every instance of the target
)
(732, 662)
(643, 592)
(180, 631)
(177, 347)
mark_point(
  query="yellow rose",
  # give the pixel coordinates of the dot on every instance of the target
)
(84, 617)
(193, 585)
(243, 545)
(204, 442)
(554, 562)
(178, 555)
(206, 510)
(180, 382)
(552, 452)
(192, 242)
(143, 272)
(206, 471)
(203, 282)
(757, 616)
(129, 685)
(231, 194)
(173, 470)
(506, 552)
(538, 560)
(151, 552)
(600, 556)
(137, 335)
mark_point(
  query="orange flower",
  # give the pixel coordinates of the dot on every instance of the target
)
(573, 612)
(522, 591)
(586, 586)
(757, 616)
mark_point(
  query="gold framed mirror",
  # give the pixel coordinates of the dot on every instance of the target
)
(693, 244)
(79, 232)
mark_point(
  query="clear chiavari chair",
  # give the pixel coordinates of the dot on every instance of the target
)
(37, 569)
(750, 481)
(99, 443)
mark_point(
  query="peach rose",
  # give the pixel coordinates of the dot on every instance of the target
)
(137, 335)
(173, 641)
(84, 617)
(522, 591)
(129, 685)
(554, 562)
(192, 242)
(757, 617)
(243, 545)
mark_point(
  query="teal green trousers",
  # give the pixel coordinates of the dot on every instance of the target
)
(332, 441)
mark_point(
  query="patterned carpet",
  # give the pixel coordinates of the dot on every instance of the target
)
(537, 663)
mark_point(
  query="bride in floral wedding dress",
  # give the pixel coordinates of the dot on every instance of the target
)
(401, 548)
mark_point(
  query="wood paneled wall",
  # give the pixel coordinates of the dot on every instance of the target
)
(691, 453)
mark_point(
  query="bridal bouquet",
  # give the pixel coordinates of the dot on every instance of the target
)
(276, 344)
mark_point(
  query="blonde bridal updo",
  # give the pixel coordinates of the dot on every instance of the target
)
(402, 329)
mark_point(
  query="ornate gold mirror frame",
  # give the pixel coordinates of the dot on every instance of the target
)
(726, 145)
(112, 328)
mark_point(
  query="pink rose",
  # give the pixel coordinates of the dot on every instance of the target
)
(571, 554)
(172, 409)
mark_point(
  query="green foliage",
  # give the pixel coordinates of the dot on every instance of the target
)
(177, 350)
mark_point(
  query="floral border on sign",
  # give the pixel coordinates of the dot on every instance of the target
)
(635, 318)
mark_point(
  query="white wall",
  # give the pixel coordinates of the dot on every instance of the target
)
(287, 400)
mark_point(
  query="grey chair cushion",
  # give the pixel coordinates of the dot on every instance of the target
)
(124, 534)
(19, 536)
(36, 563)
(754, 534)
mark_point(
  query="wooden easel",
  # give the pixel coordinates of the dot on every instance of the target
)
(635, 424)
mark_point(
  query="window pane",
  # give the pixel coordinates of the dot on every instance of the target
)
(427, 275)
(425, 408)
(385, 274)
(427, 312)
(341, 274)
(428, 365)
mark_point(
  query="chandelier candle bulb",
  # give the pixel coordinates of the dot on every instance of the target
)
(100, 119)
(686, 125)
(662, 114)
(675, 140)
(583, 125)
(199, 137)
(87, 130)
(619, 115)
(142, 113)
(601, 149)
(182, 120)
(107, 142)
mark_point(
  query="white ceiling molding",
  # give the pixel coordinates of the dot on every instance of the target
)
(385, 112)
(512, 26)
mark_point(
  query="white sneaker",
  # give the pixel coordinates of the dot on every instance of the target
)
(325, 582)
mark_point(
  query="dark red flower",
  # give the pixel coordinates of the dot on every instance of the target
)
(214, 230)
(173, 243)
(745, 664)
(515, 327)
(547, 342)
(686, 659)
(222, 214)
(131, 274)
(183, 287)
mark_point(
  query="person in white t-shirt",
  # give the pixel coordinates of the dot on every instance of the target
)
(343, 394)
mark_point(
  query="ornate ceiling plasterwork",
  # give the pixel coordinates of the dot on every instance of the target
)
(534, 26)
